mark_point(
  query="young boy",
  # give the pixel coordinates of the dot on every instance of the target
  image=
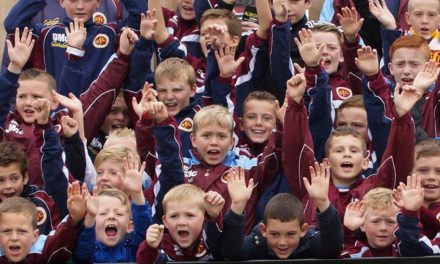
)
(185, 207)
(51, 42)
(113, 226)
(376, 217)
(346, 153)
(20, 241)
(283, 234)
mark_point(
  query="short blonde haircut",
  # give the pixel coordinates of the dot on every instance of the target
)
(121, 196)
(411, 4)
(20, 205)
(331, 28)
(213, 115)
(379, 198)
(174, 69)
(427, 149)
(117, 153)
(185, 192)
(121, 133)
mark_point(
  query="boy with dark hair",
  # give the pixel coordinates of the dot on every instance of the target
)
(20, 241)
(283, 234)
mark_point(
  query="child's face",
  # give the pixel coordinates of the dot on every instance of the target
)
(117, 117)
(406, 64)
(186, 9)
(16, 236)
(332, 53)
(428, 168)
(184, 220)
(205, 41)
(283, 237)
(28, 92)
(355, 118)
(81, 9)
(295, 8)
(379, 226)
(212, 143)
(11, 181)
(259, 120)
(112, 221)
(346, 159)
(109, 174)
(424, 17)
(174, 94)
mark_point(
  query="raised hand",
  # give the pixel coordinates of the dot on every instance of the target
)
(296, 87)
(72, 103)
(405, 98)
(380, 10)
(238, 191)
(280, 11)
(91, 206)
(69, 125)
(154, 235)
(318, 185)
(350, 23)
(214, 203)
(156, 110)
(216, 35)
(354, 215)
(133, 179)
(76, 201)
(367, 61)
(426, 77)
(76, 33)
(412, 193)
(310, 54)
(42, 111)
(226, 62)
(127, 41)
(281, 111)
(20, 52)
(148, 24)
(148, 95)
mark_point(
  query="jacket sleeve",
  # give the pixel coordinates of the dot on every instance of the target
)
(412, 243)
(52, 164)
(22, 14)
(85, 247)
(388, 37)
(8, 90)
(328, 243)
(431, 226)
(146, 145)
(75, 156)
(350, 70)
(134, 8)
(71, 75)
(148, 255)
(297, 148)
(99, 97)
(142, 220)
(170, 171)
(320, 108)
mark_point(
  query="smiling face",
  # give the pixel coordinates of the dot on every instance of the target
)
(184, 220)
(332, 52)
(175, 94)
(428, 168)
(81, 9)
(16, 235)
(186, 9)
(379, 226)
(423, 17)
(109, 174)
(112, 221)
(406, 64)
(283, 237)
(346, 159)
(259, 120)
(117, 117)
(11, 181)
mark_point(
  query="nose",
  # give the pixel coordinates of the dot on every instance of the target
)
(182, 221)
(8, 184)
(14, 236)
(80, 4)
(282, 241)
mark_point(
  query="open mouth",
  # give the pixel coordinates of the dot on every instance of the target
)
(170, 105)
(117, 126)
(9, 195)
(111, 230)
(430, 186)
(347, 164)
(14, 249)
(326, 62)
(183, 234)
(407, 80)
(188, 8)
(213, 152)
(258, 131)
(29, 111)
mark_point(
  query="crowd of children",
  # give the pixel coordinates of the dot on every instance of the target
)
(131, 132)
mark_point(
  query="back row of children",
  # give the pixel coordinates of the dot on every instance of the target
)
(211, 165)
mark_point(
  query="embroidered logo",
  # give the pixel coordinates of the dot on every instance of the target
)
(51, 22)
(99, 18)
(14, 127)
(344, 92)
(225, 177)
(41, 215)
(201, 249)
(59, 40)
(101, 41)
(186, 125)
(189, 174)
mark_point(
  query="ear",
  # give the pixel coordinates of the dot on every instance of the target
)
(36, 234)
(193, 90)
(99, 3)
(234, 41)
(304, 228)
(263, 229)
(164, 221)
(326, 162)
(240, 123)
(193, 139)
(341, 58)
(62, 3)
(25, 178)
(407, 18)
(362, 227)
(390, 67)
(53, 104)
(365, 161)
(130, 227)
(308, 3)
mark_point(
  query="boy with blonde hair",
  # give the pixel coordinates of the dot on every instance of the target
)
(375, 215)
(186, 207)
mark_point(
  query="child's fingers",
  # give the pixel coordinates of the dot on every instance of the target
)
(251, 183)
(17, 36)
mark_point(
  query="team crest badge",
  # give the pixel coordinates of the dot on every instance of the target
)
(344, 92)
(201, 249)
(101, 41)
(99, 18)
(186, 125)
(41, 215)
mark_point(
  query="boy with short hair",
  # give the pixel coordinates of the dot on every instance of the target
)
(20, 240)
(375, 215)
(346, 152)
(185, 208)
(113, 226)
(283, 234)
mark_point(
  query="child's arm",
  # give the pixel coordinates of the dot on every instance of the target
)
(329, 242)
(214, 203)
(354, 215)
(149, 251)
(380, 10)
(22, 13)
(264, 18)
(73, 148)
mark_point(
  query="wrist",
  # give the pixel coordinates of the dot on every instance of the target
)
(322, 204)
(238, 207)
(351, 38)
(14, 68)
(137, 197)
(371, 73)
(89, 220)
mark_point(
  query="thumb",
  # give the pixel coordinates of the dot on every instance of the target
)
(251, 184)
(306, 184)
(9, 44)
(321, 48)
